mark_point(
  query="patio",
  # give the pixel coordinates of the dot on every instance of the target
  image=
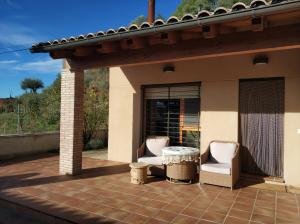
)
(103, 194)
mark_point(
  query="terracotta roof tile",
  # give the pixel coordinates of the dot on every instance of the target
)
(159, 22)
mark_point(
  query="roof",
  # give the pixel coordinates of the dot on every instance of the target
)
(172, 23)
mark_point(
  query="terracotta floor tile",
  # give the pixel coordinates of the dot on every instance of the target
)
(289, 202)
(197, 213)
(233, 220)
(243, 207)
(136, 219)
(33, 191)
(131, 207)
(264, 211)
(173, 208)
(163, 198)
(213, 216)
(219, 209)
(182, 219)
(155, 221)
(165, 216)
(182, 201)
(240, 214)
(98, 196)
(283, 207)
(147, 211)
(289, 215)
(116, 214)
(221, 202)
(103, 210)
(285, 221)
(263, 219)
(202, 221)
(245, 200)
(156, 204)
(200, 204)
(265, 204)
(248, 195)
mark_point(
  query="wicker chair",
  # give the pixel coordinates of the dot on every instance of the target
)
(150, 153)
(219, 164)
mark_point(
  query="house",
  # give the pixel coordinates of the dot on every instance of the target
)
(6, 104)
(232, 74)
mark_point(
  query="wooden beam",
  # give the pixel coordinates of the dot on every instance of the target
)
(170, 38)
(271, 39)
(108, 47)
(258, 24)
(210, 31)
(84, 51)
(62, 54)
(134, 43)
(223, 29)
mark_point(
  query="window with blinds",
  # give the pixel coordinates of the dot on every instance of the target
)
(173, 111)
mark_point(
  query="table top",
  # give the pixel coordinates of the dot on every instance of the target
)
(138, 165)
(180, 151)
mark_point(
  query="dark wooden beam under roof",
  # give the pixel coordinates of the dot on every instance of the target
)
(271, 39)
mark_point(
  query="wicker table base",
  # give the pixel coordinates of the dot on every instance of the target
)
(184, 172)
(138, 173)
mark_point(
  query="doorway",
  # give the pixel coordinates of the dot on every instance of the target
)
(173, 111)
(261, 114)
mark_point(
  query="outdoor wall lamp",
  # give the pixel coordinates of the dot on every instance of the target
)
(261, 60)
(168, 69)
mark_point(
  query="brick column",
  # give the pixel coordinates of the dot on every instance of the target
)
(71, 120)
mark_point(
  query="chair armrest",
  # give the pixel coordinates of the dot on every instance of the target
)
(204, 157)
(141, 151)
(235, 166)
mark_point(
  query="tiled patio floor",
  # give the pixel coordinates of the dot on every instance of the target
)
(103, 194)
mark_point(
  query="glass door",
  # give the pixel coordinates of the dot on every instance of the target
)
(173, 111)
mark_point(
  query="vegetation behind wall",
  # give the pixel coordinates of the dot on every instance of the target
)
(34, 112)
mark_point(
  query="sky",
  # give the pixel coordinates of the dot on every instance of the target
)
(23, 23)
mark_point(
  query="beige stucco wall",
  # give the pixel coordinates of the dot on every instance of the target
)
(219, 100)
(292, 131)
(27, 144)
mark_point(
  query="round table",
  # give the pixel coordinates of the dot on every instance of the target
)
(181, 163)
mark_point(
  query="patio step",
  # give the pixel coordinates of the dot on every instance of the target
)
(263, 179)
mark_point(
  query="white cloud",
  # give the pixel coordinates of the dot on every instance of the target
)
(7, 62)
(13, 34)
(45, 66)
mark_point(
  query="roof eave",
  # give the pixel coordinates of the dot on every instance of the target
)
(232, 16)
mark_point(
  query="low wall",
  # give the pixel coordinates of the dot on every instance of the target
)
(26, 144)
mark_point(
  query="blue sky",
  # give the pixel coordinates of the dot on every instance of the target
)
(25, 22)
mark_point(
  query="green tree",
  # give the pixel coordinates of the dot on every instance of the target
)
(32, 84)
(51, 104)
(139, 20)
(194, 6)
(95, 103)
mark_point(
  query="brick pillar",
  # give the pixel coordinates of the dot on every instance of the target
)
(71, 120)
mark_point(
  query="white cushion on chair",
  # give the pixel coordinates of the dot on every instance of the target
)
(151, 160)
(155, 145)
(222, 152)
(222, 168)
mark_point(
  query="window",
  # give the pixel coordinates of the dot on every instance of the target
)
(173, 111)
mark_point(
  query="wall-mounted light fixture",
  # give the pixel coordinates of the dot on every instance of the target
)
(168, 68)
(261, 60)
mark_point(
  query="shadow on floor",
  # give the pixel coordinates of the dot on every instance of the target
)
(28, 158)
(27, 179)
